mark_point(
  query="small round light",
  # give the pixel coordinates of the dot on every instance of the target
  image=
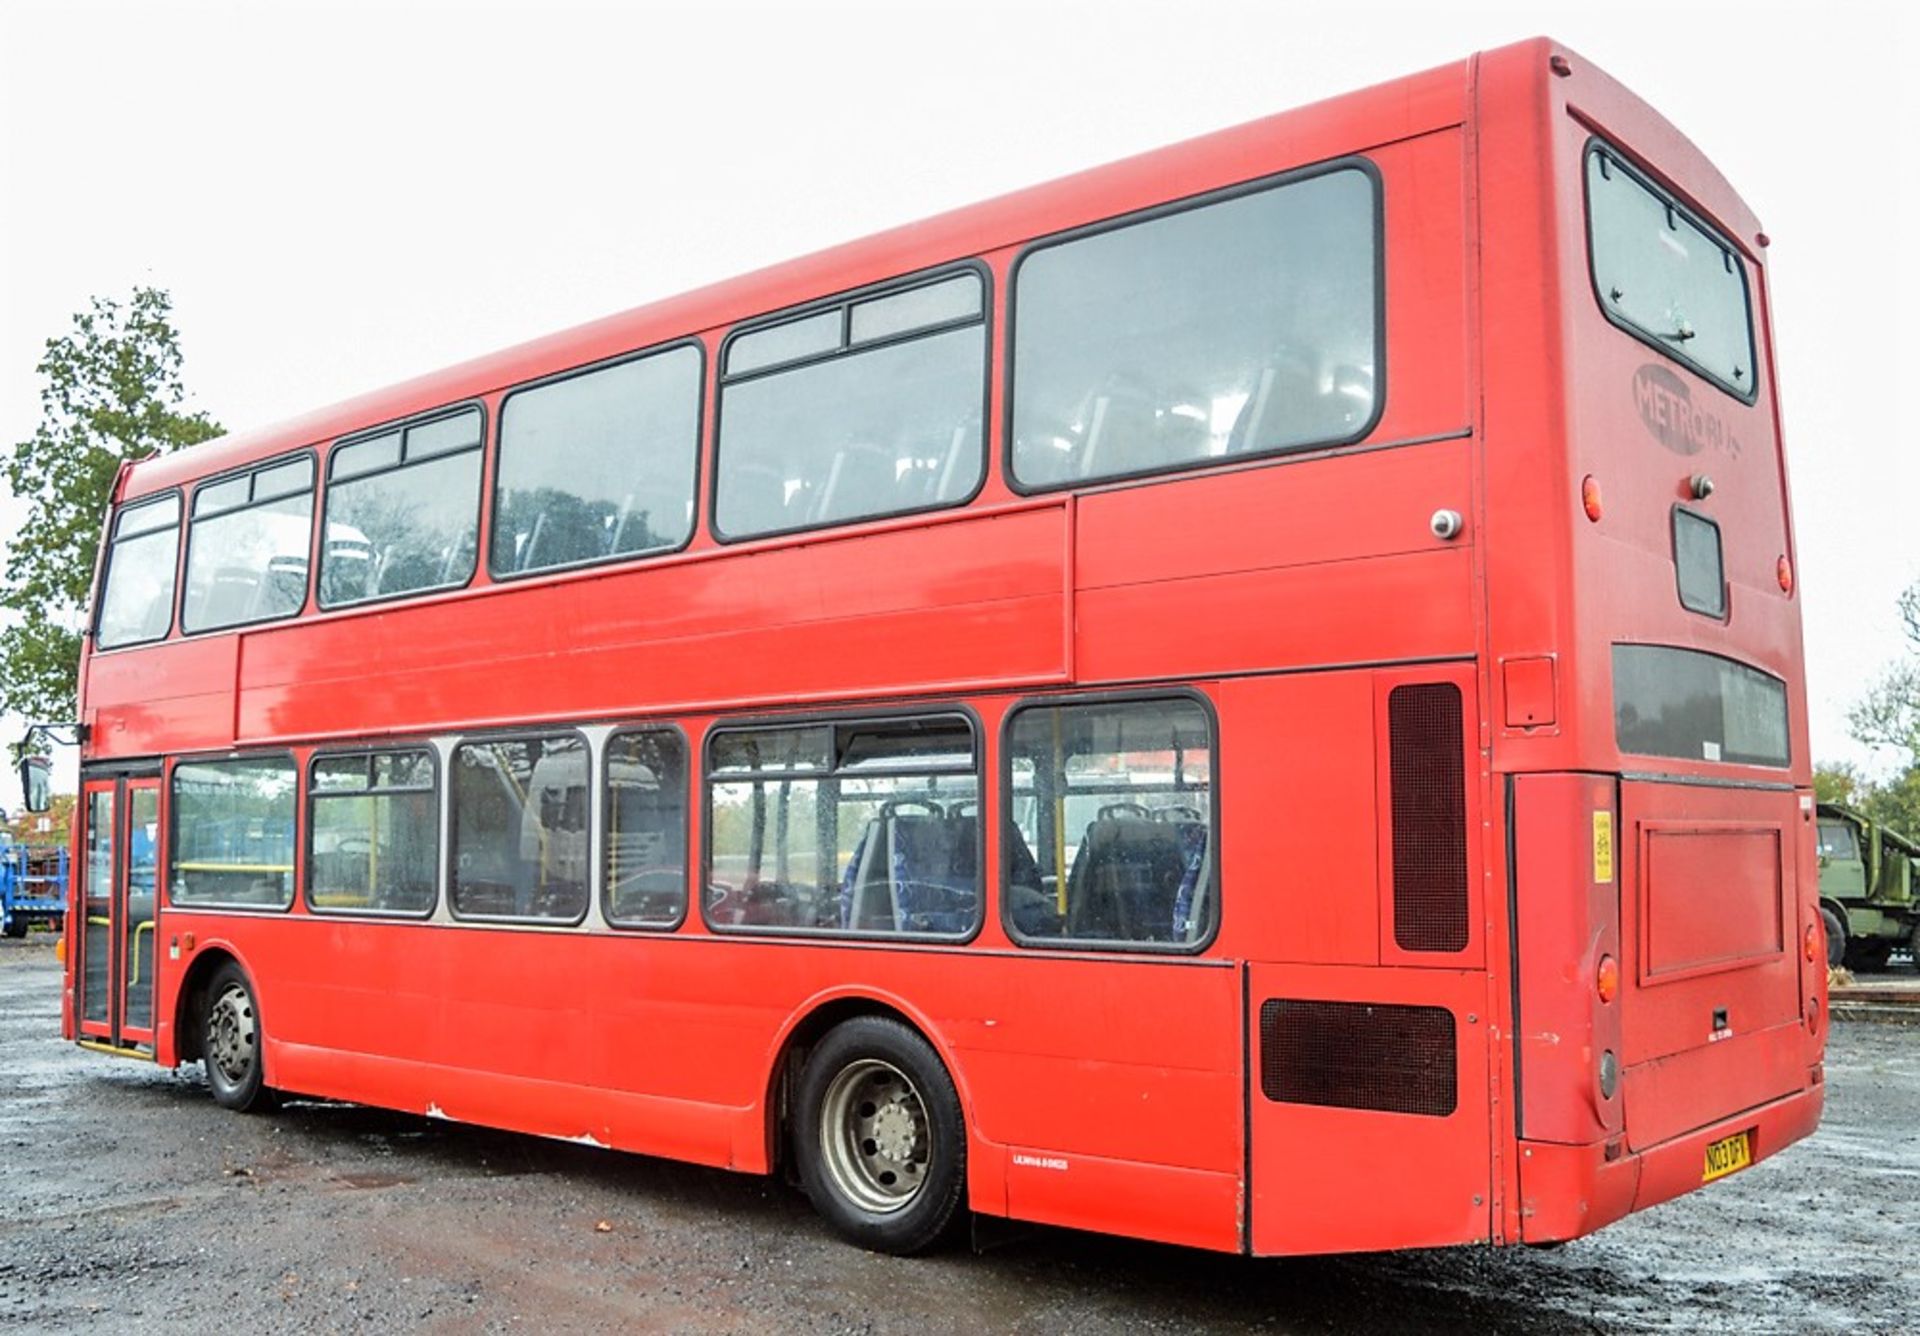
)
(1606, 979)
(1813, 1015)
(1783, 572)
(1810, 944)
(60, 950)
(1590, 497)
(1609, 1074)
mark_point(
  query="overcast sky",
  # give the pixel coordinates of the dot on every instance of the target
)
(340, 195)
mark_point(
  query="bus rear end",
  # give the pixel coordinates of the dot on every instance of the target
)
(1668, 965)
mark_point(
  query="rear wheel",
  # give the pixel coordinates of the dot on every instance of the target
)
(1836, 937)
(881, 1144)
(230, 1041)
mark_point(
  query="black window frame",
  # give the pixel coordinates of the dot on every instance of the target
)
(1004, 814)
(846, 301)
(603, 829)
(106, 567)
(450, 854)
(250, 471)
(1010, 392)
(402, 426)
(833, 720)
(490, 486)
(1723, 613)
(442, 823)
(1617, 157)
(295, 875)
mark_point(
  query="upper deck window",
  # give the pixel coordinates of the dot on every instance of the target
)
(247, 546)
(872, 407)
(403, 511)
(136, 599)
(1247, 325)
(597, 466)
(1666, 277)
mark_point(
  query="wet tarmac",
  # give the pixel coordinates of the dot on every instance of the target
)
(129, 1202)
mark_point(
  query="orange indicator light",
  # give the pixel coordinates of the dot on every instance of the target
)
(1590, 497)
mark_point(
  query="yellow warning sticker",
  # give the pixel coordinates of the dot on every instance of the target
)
(1603, 846)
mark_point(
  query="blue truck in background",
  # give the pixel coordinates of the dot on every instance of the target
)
(33, 885)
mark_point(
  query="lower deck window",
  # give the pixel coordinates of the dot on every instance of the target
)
(1110, 822)
(519, 835)
(233, 832)
(375, 835)
(1697, 707)
(846, 827)
(646, 829)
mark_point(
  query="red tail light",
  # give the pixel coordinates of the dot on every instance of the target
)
(1590, 497)
(1783, 571)
(1810, 944)
(1606, 979)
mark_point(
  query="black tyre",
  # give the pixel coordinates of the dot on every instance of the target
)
(16, 927)
(881, 1143)
(1836, 937)
(230, 1041)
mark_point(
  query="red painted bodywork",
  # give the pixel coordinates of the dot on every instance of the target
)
(1102, 1090)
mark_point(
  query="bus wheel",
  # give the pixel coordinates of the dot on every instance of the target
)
(882, 1142)
(1836, 937)
(230, 1039)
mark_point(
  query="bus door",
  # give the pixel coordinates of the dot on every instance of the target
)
(119, 897)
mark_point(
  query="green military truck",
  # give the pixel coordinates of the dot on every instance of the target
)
(1867, 891)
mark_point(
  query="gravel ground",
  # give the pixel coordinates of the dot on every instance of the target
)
(129, 1202)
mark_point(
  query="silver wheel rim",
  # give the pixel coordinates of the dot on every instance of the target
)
(874, 1137)
(230, 1034)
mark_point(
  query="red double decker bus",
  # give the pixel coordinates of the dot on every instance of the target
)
(1249, 697)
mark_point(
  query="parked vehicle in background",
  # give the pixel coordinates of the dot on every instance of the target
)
(33, 885)
(1867, 893)
(1249, 697)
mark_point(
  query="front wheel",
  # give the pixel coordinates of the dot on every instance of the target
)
(881, 1146)
(1836, 937)
(230, 1041)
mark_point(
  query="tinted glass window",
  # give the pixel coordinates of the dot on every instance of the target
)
(402, 512)
(233, 827)
(879, 835)
(1109, 823)
(136, 599)
(1696, 558)
(646, 829)
(520, 829)
(247, 547)
(1836, 841)
(1241, 327)
(1697, 707)
(859, 430)
(375, 840)
(598, 465)
(1667, 277)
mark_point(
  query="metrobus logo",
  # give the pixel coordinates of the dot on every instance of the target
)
(1666, 406)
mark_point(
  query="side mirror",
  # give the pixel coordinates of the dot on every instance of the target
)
(36, 783)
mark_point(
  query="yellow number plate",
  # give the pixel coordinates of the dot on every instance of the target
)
(1728, 1154)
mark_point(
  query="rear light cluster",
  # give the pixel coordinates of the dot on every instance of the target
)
(1606, 979)
(1810, 943)
(1783, 572)
(1590, 497)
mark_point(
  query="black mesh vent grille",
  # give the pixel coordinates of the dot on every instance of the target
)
(1429, 817)
(1358, 1055)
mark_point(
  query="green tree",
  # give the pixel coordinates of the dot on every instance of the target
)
(110, 392)
(1839, 782)
(1889, 715)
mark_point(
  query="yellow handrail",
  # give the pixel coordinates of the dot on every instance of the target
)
(145, 925)
(233, 867)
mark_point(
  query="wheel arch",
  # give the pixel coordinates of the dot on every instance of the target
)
(808, 1024)
(189, 1001)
